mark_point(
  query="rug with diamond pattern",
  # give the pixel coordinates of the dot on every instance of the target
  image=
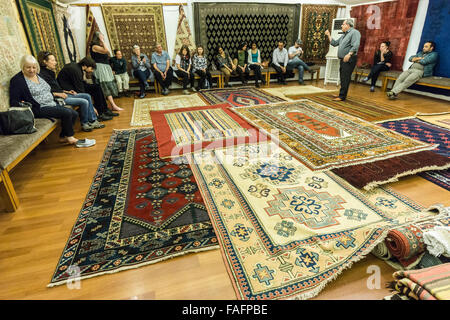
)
(139, 210)
(228, 25)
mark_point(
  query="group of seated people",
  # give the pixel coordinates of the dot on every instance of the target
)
(423, 66)
(188, 64)
(38, 84)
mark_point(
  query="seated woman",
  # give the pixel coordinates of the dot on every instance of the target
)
(200, 67)
(225, 64)
(29, 87)
(241, 62)
(141, 69)
(183, 68)
(255, 64)
(103, 73)
(382, 61)
(88, 118)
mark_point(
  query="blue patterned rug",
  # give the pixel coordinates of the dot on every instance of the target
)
(429, 133)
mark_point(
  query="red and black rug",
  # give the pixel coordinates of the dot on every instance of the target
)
(140, 209)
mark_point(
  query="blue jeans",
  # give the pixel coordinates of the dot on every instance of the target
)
(300, 65)
(84, 101)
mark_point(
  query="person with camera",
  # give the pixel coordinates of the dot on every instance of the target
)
(141, 69)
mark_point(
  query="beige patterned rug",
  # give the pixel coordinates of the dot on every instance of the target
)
(142, 107)
(440, 119)
(284, 92)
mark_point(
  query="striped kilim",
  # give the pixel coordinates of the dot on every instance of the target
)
(362, 108)
(203, 125)
(425, 284)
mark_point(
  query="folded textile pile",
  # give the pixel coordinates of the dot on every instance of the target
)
(426, 284)
(404, 247)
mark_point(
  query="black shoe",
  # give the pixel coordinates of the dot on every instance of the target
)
(103, 117)
(110, 113)
(257, 85)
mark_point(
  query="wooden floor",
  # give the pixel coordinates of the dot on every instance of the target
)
(52, 183)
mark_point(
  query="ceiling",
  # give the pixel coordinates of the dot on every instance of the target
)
(347, 2)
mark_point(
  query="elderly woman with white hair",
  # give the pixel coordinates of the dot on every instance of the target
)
(141, 69)
(28, 86)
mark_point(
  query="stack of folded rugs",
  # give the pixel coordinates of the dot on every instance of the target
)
(431, 283)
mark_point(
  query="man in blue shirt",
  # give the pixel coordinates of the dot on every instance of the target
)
(162, 69)
(348, 49)
(423, 66)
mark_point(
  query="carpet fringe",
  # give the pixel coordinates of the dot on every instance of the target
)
(432, 114)
(51, 285)
(374, 184)
(311, 294)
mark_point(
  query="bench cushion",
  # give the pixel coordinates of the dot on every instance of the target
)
(14, 145)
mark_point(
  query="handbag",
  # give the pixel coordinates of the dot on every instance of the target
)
(17, 120)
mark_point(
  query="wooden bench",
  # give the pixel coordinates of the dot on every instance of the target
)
(435, 82)
(14, 149)
(315, 69)
(385, 76)
(215, 74)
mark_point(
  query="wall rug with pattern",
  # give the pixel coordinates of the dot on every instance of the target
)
(134, 23)
(40, 25)
(229, 25)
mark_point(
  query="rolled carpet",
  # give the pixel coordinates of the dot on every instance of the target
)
(406, 242)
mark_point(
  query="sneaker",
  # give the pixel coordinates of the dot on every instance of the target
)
(391, 95)
(372, 89)
(86, 127)
(365, 79)
(165, 92)
(193, 89)
(97, 125)
(85, 143)
(185, 91)
(142, 95)
(147, 87)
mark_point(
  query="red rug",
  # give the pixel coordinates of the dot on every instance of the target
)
(186, 130)
(369, 175)
(395, 23)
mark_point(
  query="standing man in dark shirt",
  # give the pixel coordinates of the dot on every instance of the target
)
(119, 68)
(71, 78)
(348, 45)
